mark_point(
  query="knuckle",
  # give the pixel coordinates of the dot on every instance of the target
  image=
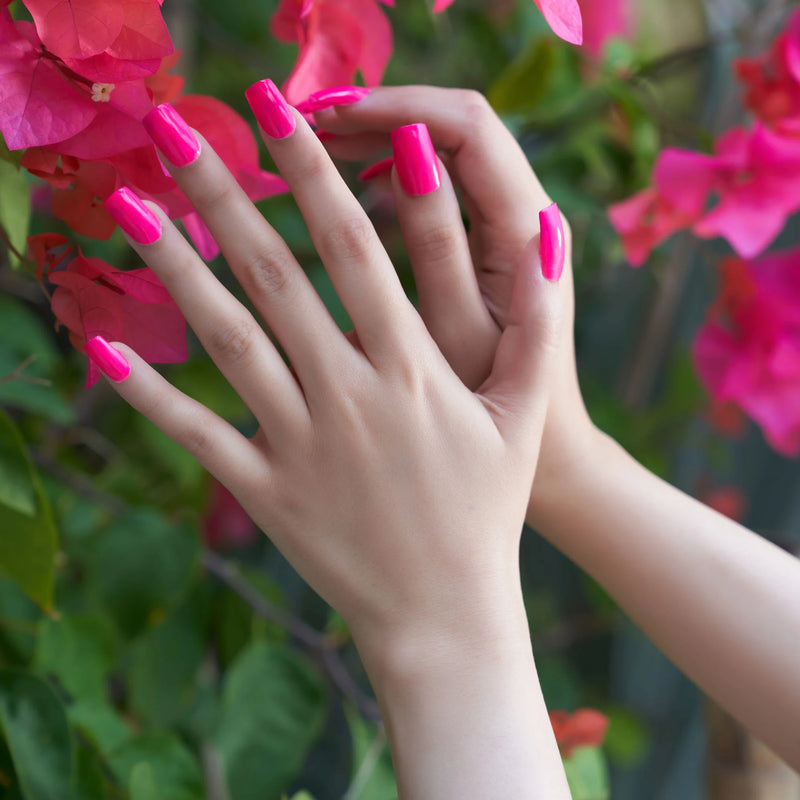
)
(436, 244)
(195, 436)
(311, 169)
(475, 107)
(351, 239)
(235, 341)
(265, 272)
(219, 196)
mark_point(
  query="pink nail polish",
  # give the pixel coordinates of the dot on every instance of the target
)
(172, 136)
(552, 248)
(415, 159)
(133, 216)
(273, 113)
(337, 96)
(383, 167)
(111, 361)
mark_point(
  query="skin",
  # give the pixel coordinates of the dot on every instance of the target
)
(719, 600)
(397, 491)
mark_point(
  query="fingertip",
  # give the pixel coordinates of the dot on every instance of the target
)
(109, 358)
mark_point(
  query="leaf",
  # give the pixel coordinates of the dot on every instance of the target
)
(100, 724)
(28, 539)
(161, 761)
(587, 774)
(273, 708)
(35, 727)
(24, 338)
(80, 652)
(15, 207)
(524, 81)
(142, 566)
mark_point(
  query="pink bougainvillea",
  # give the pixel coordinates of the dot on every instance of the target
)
(584, 728)
(748, 351)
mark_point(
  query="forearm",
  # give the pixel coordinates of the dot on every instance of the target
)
(465, 715)
(721, 602)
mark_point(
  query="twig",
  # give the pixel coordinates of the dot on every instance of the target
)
(367, 766)
(17, 375)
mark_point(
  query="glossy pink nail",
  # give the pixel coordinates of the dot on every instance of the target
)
(383, 167)
(273, 113)
(133, 216)
(337, 96)
(111, 362)
(552, 249)
(172, 136)
(415, 159)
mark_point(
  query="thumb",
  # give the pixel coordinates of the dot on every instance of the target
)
(518, 388)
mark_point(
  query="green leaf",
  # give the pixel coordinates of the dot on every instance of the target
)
(15, 206)
(165, 664)
(587, 774)
(25, 339)
(273, 708)
(523, 83)
(80, 652)
(100, 724)
(28, 538)
(35, 727)
(159, 762)
(372, 763)
(142, 566)
(19, 617)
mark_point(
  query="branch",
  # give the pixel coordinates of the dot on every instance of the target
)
(17, 375)
(367, 766)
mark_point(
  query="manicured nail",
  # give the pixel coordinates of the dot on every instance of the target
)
(552, 250)
(415, 159)
(326, 136)
(338, 96)
(111, 362)
(383, 167)
(172, 136)
(133, 216)
(273, 113)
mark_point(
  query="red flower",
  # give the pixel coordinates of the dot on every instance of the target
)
(225, 522)
(728, 500)
(585, 728)
(337, 38)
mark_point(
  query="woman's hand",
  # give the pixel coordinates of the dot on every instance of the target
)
(465, 281)
(397, 492)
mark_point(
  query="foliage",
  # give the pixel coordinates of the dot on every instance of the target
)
(135, 661)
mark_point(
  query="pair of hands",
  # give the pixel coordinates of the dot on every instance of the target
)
(393, 467)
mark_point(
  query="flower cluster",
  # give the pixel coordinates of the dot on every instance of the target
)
(748, 352)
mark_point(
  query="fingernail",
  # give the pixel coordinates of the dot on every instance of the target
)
(111, 361)
(383, 167)
(415, 159)
(326, 136)
(273, 113)
(133, 216)
(552, 250)
(172, 136)
(337, 96)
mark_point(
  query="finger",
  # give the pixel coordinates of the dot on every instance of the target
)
(359, 268)
(487, 162)
(216, 444)
(257, 255)
(234, 340)
(450, 302)
(517, 391)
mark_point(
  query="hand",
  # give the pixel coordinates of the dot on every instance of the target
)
(396, 492)
(465, 281)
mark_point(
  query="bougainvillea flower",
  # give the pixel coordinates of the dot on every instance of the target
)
(337, 38)
(748, 351)
(727, 500)
(604, 20)
(47, 250)
(755, 176)
(39, 104)
(645, 220)
(772, 80)
(564, 17)
(225, 523)
(585, 728)
(92, 298)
